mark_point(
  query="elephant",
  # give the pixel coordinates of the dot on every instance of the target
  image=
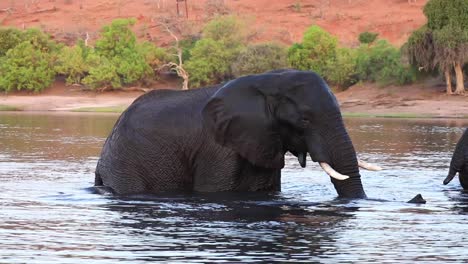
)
(459, 162)
(229, 137)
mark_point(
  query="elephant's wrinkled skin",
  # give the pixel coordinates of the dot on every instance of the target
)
(459, 163)
(228, 138)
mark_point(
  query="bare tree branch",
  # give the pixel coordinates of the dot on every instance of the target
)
(8, 10)
(86, 39)
(53, 9)
(178, 67)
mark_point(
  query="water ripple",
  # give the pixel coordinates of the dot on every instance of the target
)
(49, 215)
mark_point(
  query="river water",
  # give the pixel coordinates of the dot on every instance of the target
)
(48, 214)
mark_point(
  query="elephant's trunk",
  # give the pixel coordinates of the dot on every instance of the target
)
(458, 160)
(340, 154)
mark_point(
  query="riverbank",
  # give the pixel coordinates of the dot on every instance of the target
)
(61, 98)
(366, 100)
(411, 101)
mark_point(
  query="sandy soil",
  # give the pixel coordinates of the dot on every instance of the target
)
(279, 20)
(62, 98)
(406, 101)
(366, 99)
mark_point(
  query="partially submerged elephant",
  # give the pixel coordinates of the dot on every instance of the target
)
(229, 138)
(459, 162)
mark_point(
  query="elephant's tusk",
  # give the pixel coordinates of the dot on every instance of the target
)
(368, 166)
(333, 173)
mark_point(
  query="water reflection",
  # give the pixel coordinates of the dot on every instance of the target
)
(458, 198)
(235, 227)
(53, 136)
(49, 216)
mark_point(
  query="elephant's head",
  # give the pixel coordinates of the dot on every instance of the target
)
(263, 116)
(459, 162)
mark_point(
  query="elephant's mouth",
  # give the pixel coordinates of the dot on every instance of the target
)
(301, 157)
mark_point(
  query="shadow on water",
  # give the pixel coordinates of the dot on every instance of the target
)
(231, 226)
(459, 199)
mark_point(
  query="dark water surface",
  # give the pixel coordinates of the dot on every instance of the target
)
(48, 216)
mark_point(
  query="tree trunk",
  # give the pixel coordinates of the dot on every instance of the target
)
(186, 80)
(448, 81)
(459, 76)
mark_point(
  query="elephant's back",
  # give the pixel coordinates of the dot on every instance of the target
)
(168, 108)
(149, 139)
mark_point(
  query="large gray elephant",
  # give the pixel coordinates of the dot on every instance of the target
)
(229, 138)
(459, 162)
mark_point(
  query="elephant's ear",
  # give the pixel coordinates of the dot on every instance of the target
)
(239, 117)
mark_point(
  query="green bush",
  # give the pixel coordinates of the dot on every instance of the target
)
(116, 38)
(209, 63)
(367, 37)
(71, 62)
(382, 63)
(102, 73)
(229, 30)
(259, 58)
(153, 55)
(41, 41)
(118, 52)
(420, 49)
(447, 23)
(132, 67)
(26, 67)
(9, 38)
(212, 56)
(298, 57)
(441, 13)
(318, 47)
(187, 45)
(342, 70)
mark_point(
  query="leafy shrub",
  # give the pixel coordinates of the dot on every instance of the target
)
(420, 50)
(441, 13)
(41, 40)
(153, 55)
(212, 56)
(209, 62)
(71, 62)
(318, 47)
(132, 67)
(259, 58)
(367, 37)
(382, 63)
(102, 73)
(26, 67)
(116, 37)
(9, 38)
(298, 57)
(187, 45)
(117, 52)
(229, 30)
(342, 70)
